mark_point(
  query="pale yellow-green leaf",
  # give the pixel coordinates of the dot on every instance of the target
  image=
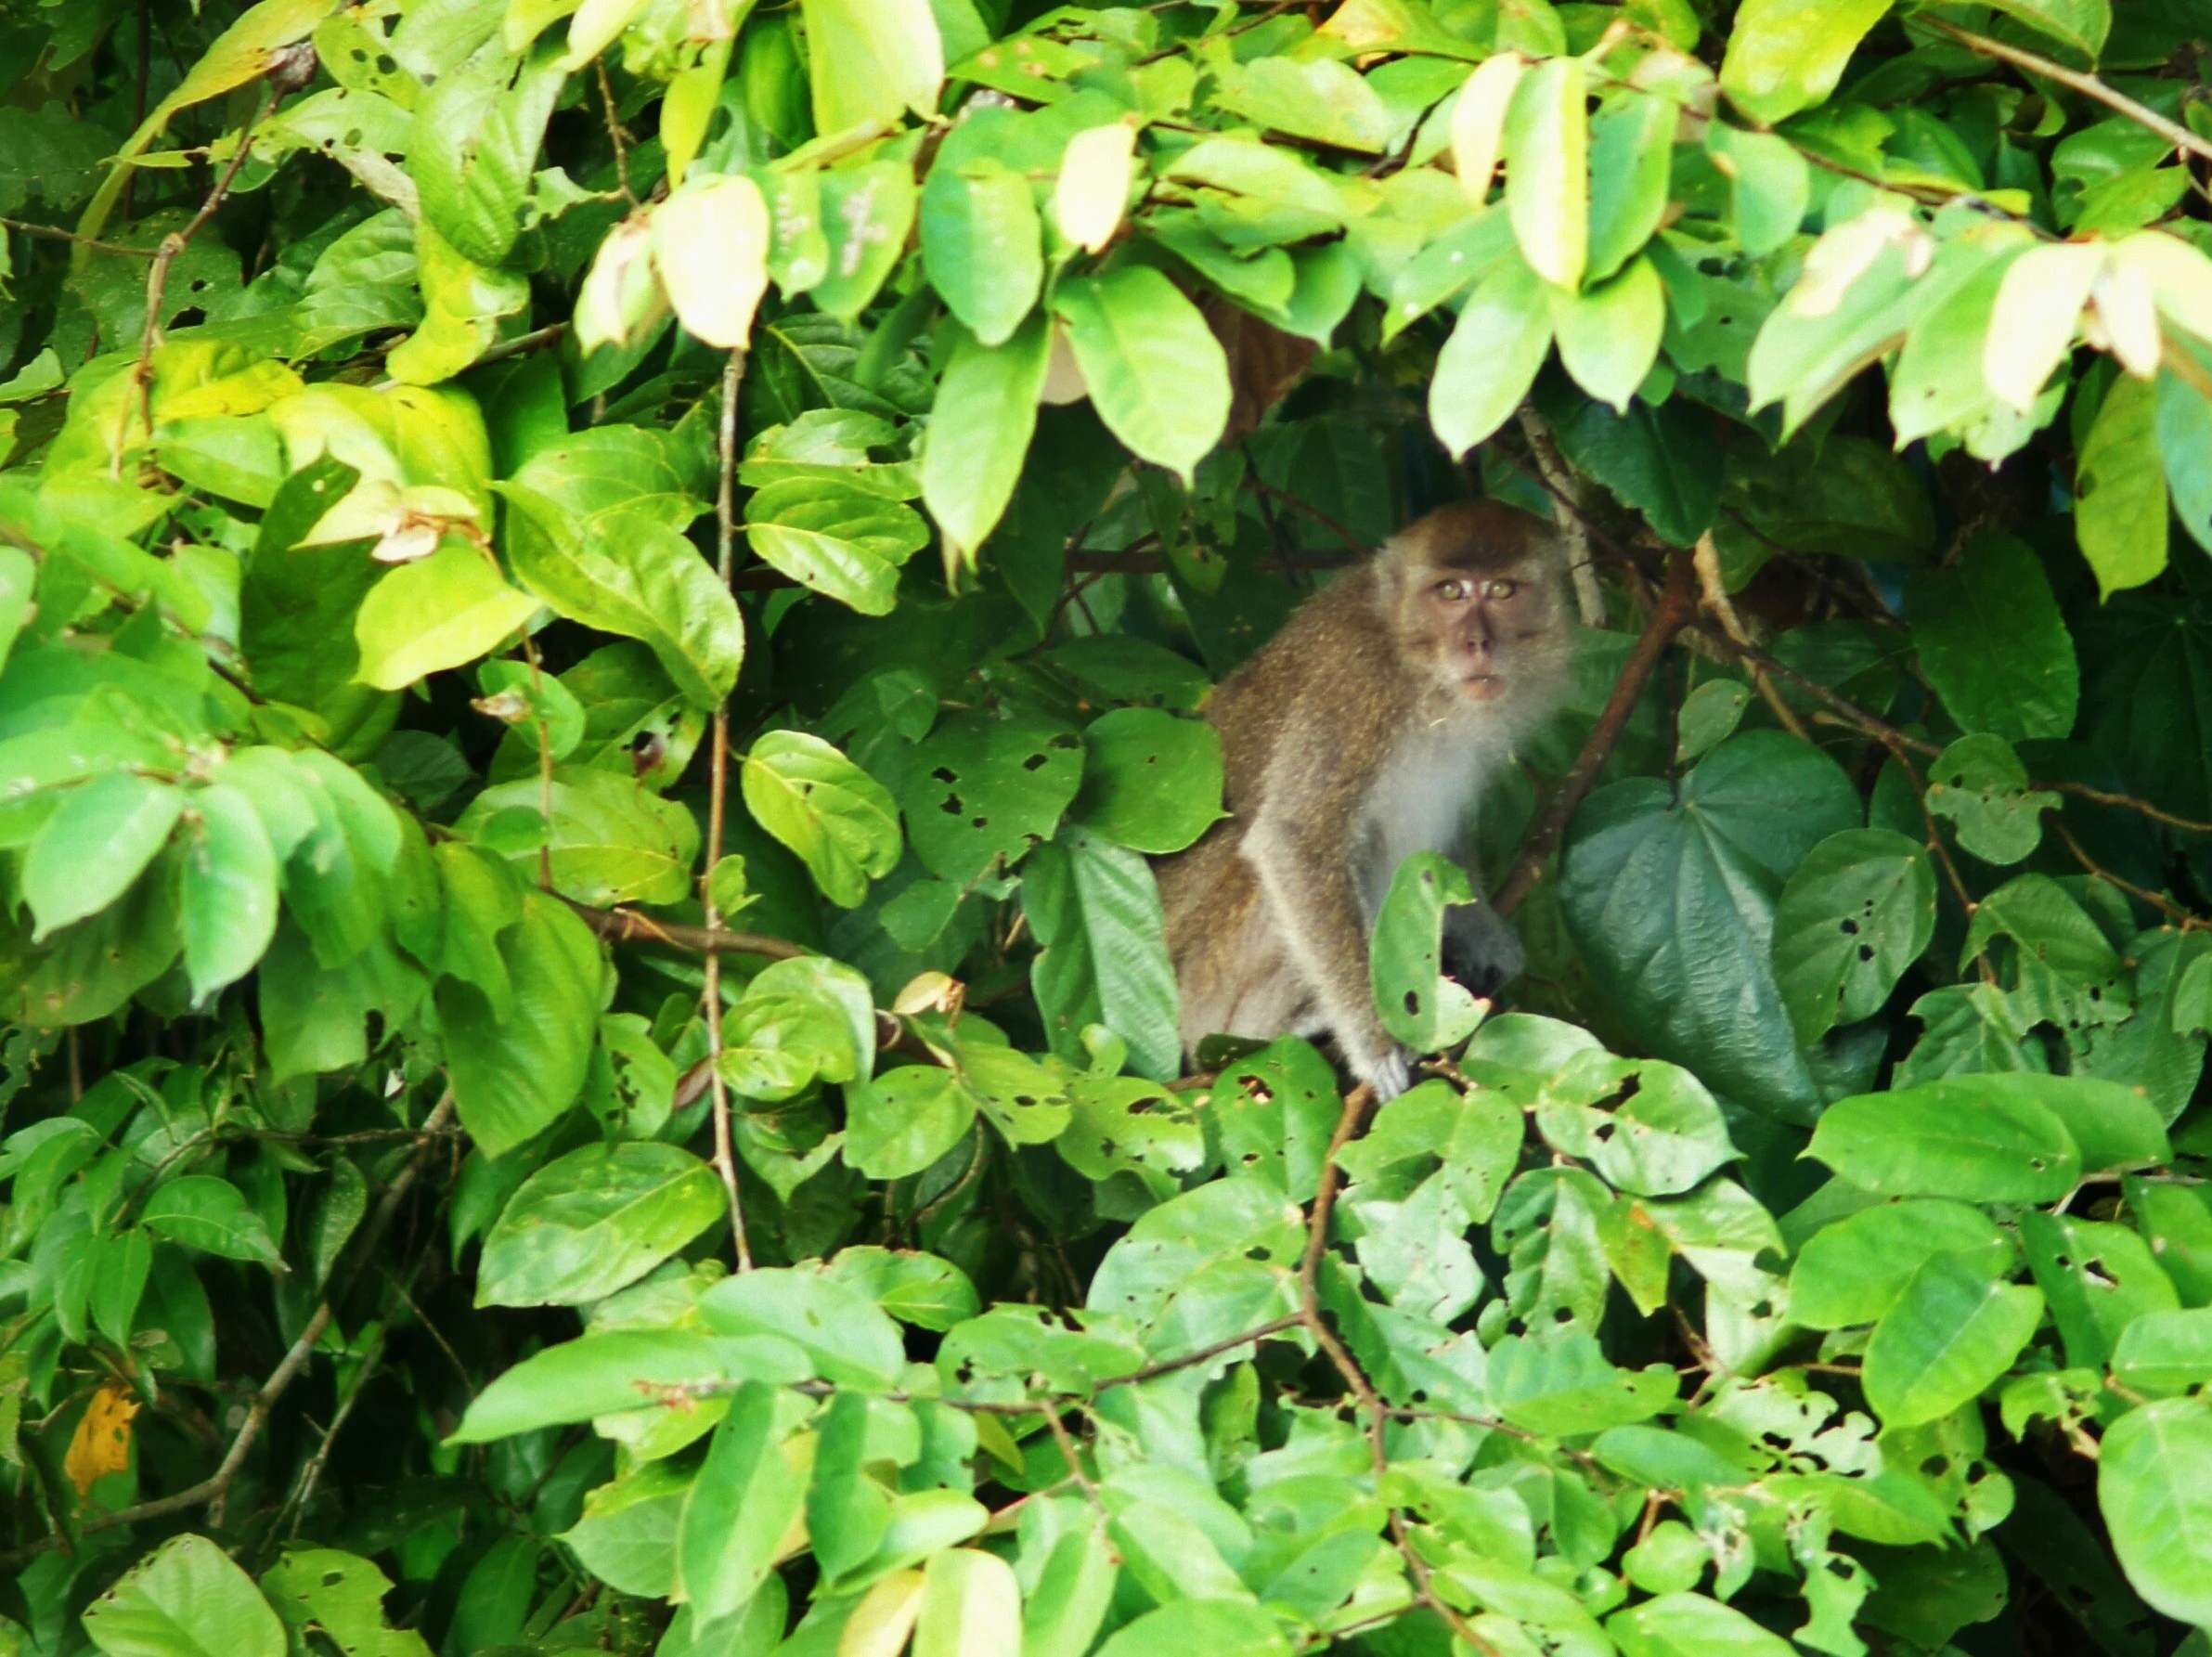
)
(594, 27)
(1547, 171)
(872, 60)
(1788, 55)
(2123, 317)
(2031, 327)
(710, 240)
(622, 293)
(886, 1615)
(971, 1606)
(1478, 122)
(446, 609)
(2119, 488)
(1609, 335)
(1093, 185)
(1491, 360)
(2180, 277)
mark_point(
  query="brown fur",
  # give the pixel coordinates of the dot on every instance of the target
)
(1328, 735)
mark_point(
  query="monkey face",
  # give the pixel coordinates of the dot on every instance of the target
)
(1484, 622)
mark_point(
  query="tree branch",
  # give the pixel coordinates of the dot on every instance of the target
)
(626, 925)
(2075, 79)
(725, 1156)
(1676, 605)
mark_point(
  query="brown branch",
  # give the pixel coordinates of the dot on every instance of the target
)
(51, 234)
(725, 1156)
(538, 338)
(626, 925)
(1715, 592)
(2076, 80)
(1676, 605)
(211, 1491)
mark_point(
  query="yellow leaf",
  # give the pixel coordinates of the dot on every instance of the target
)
(1094, 186)
(1478, 122)
(103, 1442)
(2180, 277)
(710, 240)
(880, 1623)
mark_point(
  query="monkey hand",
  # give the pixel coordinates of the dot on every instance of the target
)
(1481, 950)
(1386, 1070)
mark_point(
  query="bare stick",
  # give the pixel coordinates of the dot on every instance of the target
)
(1567, 512)
(1676, 605)
(1715, 593)
(2089, 86)
(626, 925)
(733, 374)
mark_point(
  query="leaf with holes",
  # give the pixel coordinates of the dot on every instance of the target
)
(981, 790)
(1858, 911)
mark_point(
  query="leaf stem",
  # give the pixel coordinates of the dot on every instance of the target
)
(725, 1159)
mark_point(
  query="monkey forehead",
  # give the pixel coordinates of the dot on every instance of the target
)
(1475, 536)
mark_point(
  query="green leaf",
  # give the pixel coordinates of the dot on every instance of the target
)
(2081, 24)
(872, 60)
(745, 1497)
(1660, 460)
(1993, 643)
(920, 1289)
(1976, 1138)
(1103, 955)
(1151, 781)
(2120, 489)
(1491, 360)
(1547, 173)
(2165, 1352)
(594, 1221)
(626, 1535)
(1559, 1383)
(1981, 785)
(186, 1599)
(202, 1211)
(905, 1120)
(1769, 185)
(612, 841)
(982, 241)
(473, 146)
(2185, 442)
(1074, 1585)
(594, 535)
(1683, 1624)
(1671, 902)
(436, 613)
(1631, 147)
(1788, 55)
(971, 1607)
(227, 891)
(1858, 911)
(836, 817)
(1951, 1332)
(1647, 1127)
(344, 1594)
(99, 840)
(847, 1338)
(2154, 1489)
(513, 1077)
(841, 541)
(982, 790)
(1609, 335)
(464, 302)
(1423, 1010)
(1218, 1628)
(866, 213)
(2098, 1277)
(1852, 1272)
(605, 1374)
(980, 425)
(1155, 373)
(1320, 99)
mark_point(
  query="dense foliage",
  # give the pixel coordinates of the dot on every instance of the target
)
(603, 603)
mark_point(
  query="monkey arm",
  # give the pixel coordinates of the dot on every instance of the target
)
(1306, 879)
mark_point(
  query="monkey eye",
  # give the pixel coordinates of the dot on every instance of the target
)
(1501, 589)
(1451, 591)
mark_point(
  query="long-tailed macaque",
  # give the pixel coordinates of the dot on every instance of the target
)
(1366, 731)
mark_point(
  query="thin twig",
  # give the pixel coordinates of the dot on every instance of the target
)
(50, 233)
(538, 338)
(2076, 80)
(1567, 512)
(615, 133)
(725, 1158)
(626, 925)
(1713, 592)
(1676, 605)
(545, 761)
